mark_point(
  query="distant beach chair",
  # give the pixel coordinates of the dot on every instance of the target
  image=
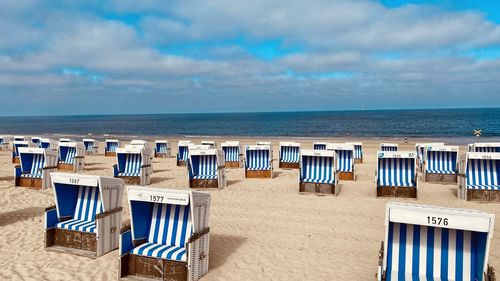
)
(486, 147)
(20, 138)
(162, 149)
(289, 155)
(36, 141)
(182, 152)
(90, 146)
(232, 154)
(65, 140)
(71, 156)
(480, 177)
(264, 143)
(48, 144)
(143, 144)
(87, 215)
(110, 147)
(345, 160)
(133, 165)
(168, 238)
(258, 161)
(206, 168)
(210, 143)
(319, 145)
(440, 164)
(388, 147)
(318, 172)
(15, 150)
(35, 168)
(4, 143)
(420, 148)
(396, 174)
(435, 243)
(358, 151)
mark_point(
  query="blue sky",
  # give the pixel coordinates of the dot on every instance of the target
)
(125, 56)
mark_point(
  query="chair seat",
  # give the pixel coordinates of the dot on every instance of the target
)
(258, 168)
(161, 251)
(38, 176)
(205, 177)
(484, 187)
(407, 276)
(78, 225)
(136, 174)
(447, 172)
(318, 181)
(289, 160)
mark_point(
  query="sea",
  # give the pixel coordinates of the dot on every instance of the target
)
(428, 123)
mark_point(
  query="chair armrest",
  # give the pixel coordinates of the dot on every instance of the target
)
(198, 234)
(79, 157)
(145, 166)
(49, 168)
(460, 175)
(51, 217)
(125, 244)
(110, 212)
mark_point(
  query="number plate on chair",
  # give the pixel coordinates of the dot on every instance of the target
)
(159, 197)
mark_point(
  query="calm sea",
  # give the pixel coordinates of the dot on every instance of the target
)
(434, 123)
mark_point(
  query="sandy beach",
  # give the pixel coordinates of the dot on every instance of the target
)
(261, 229)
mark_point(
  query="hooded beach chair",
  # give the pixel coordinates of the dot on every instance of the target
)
(110, 146)
(318, 172)
(143, 144)
(396, 174)
(319, 145)
(258, 161)
(440, 164)
(48, 144)
(345, 159)
(182, 152)
(358, 151)
(4, 143)
(36, 141)
(486, 147)
(15, 150)
(162, 149)
(87, 216)
(90, 146)
(420, 148)
(388, 147)
(480, 177)
(232, 154)
(206, 168)
(210, 143)
(168, 238)
(435, 243)
(289, 155)
(133, 165)
(35, 167)
(20, 138)
(71, 156)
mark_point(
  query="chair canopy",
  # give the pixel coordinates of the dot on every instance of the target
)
(89, 144)
(318, 166)
(183, 150)
(36, 140)
(161, 146)
(396, 169)
(231, 151)
(34, 159)
(258, 157)
(482, 170)
(290, 152)
(112, 145)
(68, 151)
(203, 163)
(345, 156)
(48, 143)
(130, 160)
(319, 145)
(421, 148)
(388, 147)
(486, 147)
(358, 149)
(441, 159)
(17, 144)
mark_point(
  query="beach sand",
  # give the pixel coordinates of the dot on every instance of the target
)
(261, 229)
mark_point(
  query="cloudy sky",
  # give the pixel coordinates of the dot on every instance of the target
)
(128, 56)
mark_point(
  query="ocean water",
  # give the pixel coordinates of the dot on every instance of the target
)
(436, 123)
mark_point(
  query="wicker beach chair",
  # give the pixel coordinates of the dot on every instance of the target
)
(396, 174)
(318, 172)
(479, 177)
(345, 160)
(232, 154)
(289, 155)
(206, 168)
(35, 167)
(71, 156)
(258, 161)
(440, 164)
(110, 146)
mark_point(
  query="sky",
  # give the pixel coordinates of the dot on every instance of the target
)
(126, 56)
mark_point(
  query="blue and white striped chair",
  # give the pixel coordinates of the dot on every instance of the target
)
(396, 174)
(48, 144)
(482, 177)
(232, 154)
(320, 145)
(318, 172)
(206, 168)
(440, 164)
(35, 141)
(183, 152)
(110, 147)
(289, 155)
(36, 166)
(435, 243)
(258, 161)
(87, 216)
(90, 146)
(168, 227)
(4, 143)
(358, 151)
(486, 147)
(421, 148)
(15, 150)
(71, 156)
(162, 149)
(388, 147)
(133, 165)
(20, 138)
(345, 159)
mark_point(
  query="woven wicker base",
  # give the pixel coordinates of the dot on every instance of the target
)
(16, 160)
(401, 192)
(153, 268)
(181, 163)
(441, 178)
(232, 164)
(483, 195)
(203, 183)
(108, 153)
(71, 239)
(346, 176)
(130, 180)
(65, 167)
(286, 165)
(258, 174)
(35, 183)
(317, 188)
(161, 155)
(358, 160)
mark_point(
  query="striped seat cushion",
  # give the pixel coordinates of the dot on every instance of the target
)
(132, 168)
(441, 162)
(87, 206)
(431, 253)
(316, 169)
(161, 251)
(69, 157)
(29, 175)
(183, 153)
(258, 160)
(319, 147)
(37, 163)
(396, 172)
(204, 166)
(483, 174)
(290, 154)
(345, 161)
(231, 153)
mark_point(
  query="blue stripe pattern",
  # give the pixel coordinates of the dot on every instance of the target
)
(16, 146)
(88, 205)
(317, 169)
(37, 163)
(441, 162)
(161, 147)
(183, 153)
(111, 146)
(345, 160)
(231, 153)
(132, 167)
(396, 172)
(487, 149)
(319, 146)
(483, 174)
(258, 159)
(290, 154)
(388, 148)
(89, 146)
(170, 230)
(358, 151)
(204, 166)
(417, 252)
